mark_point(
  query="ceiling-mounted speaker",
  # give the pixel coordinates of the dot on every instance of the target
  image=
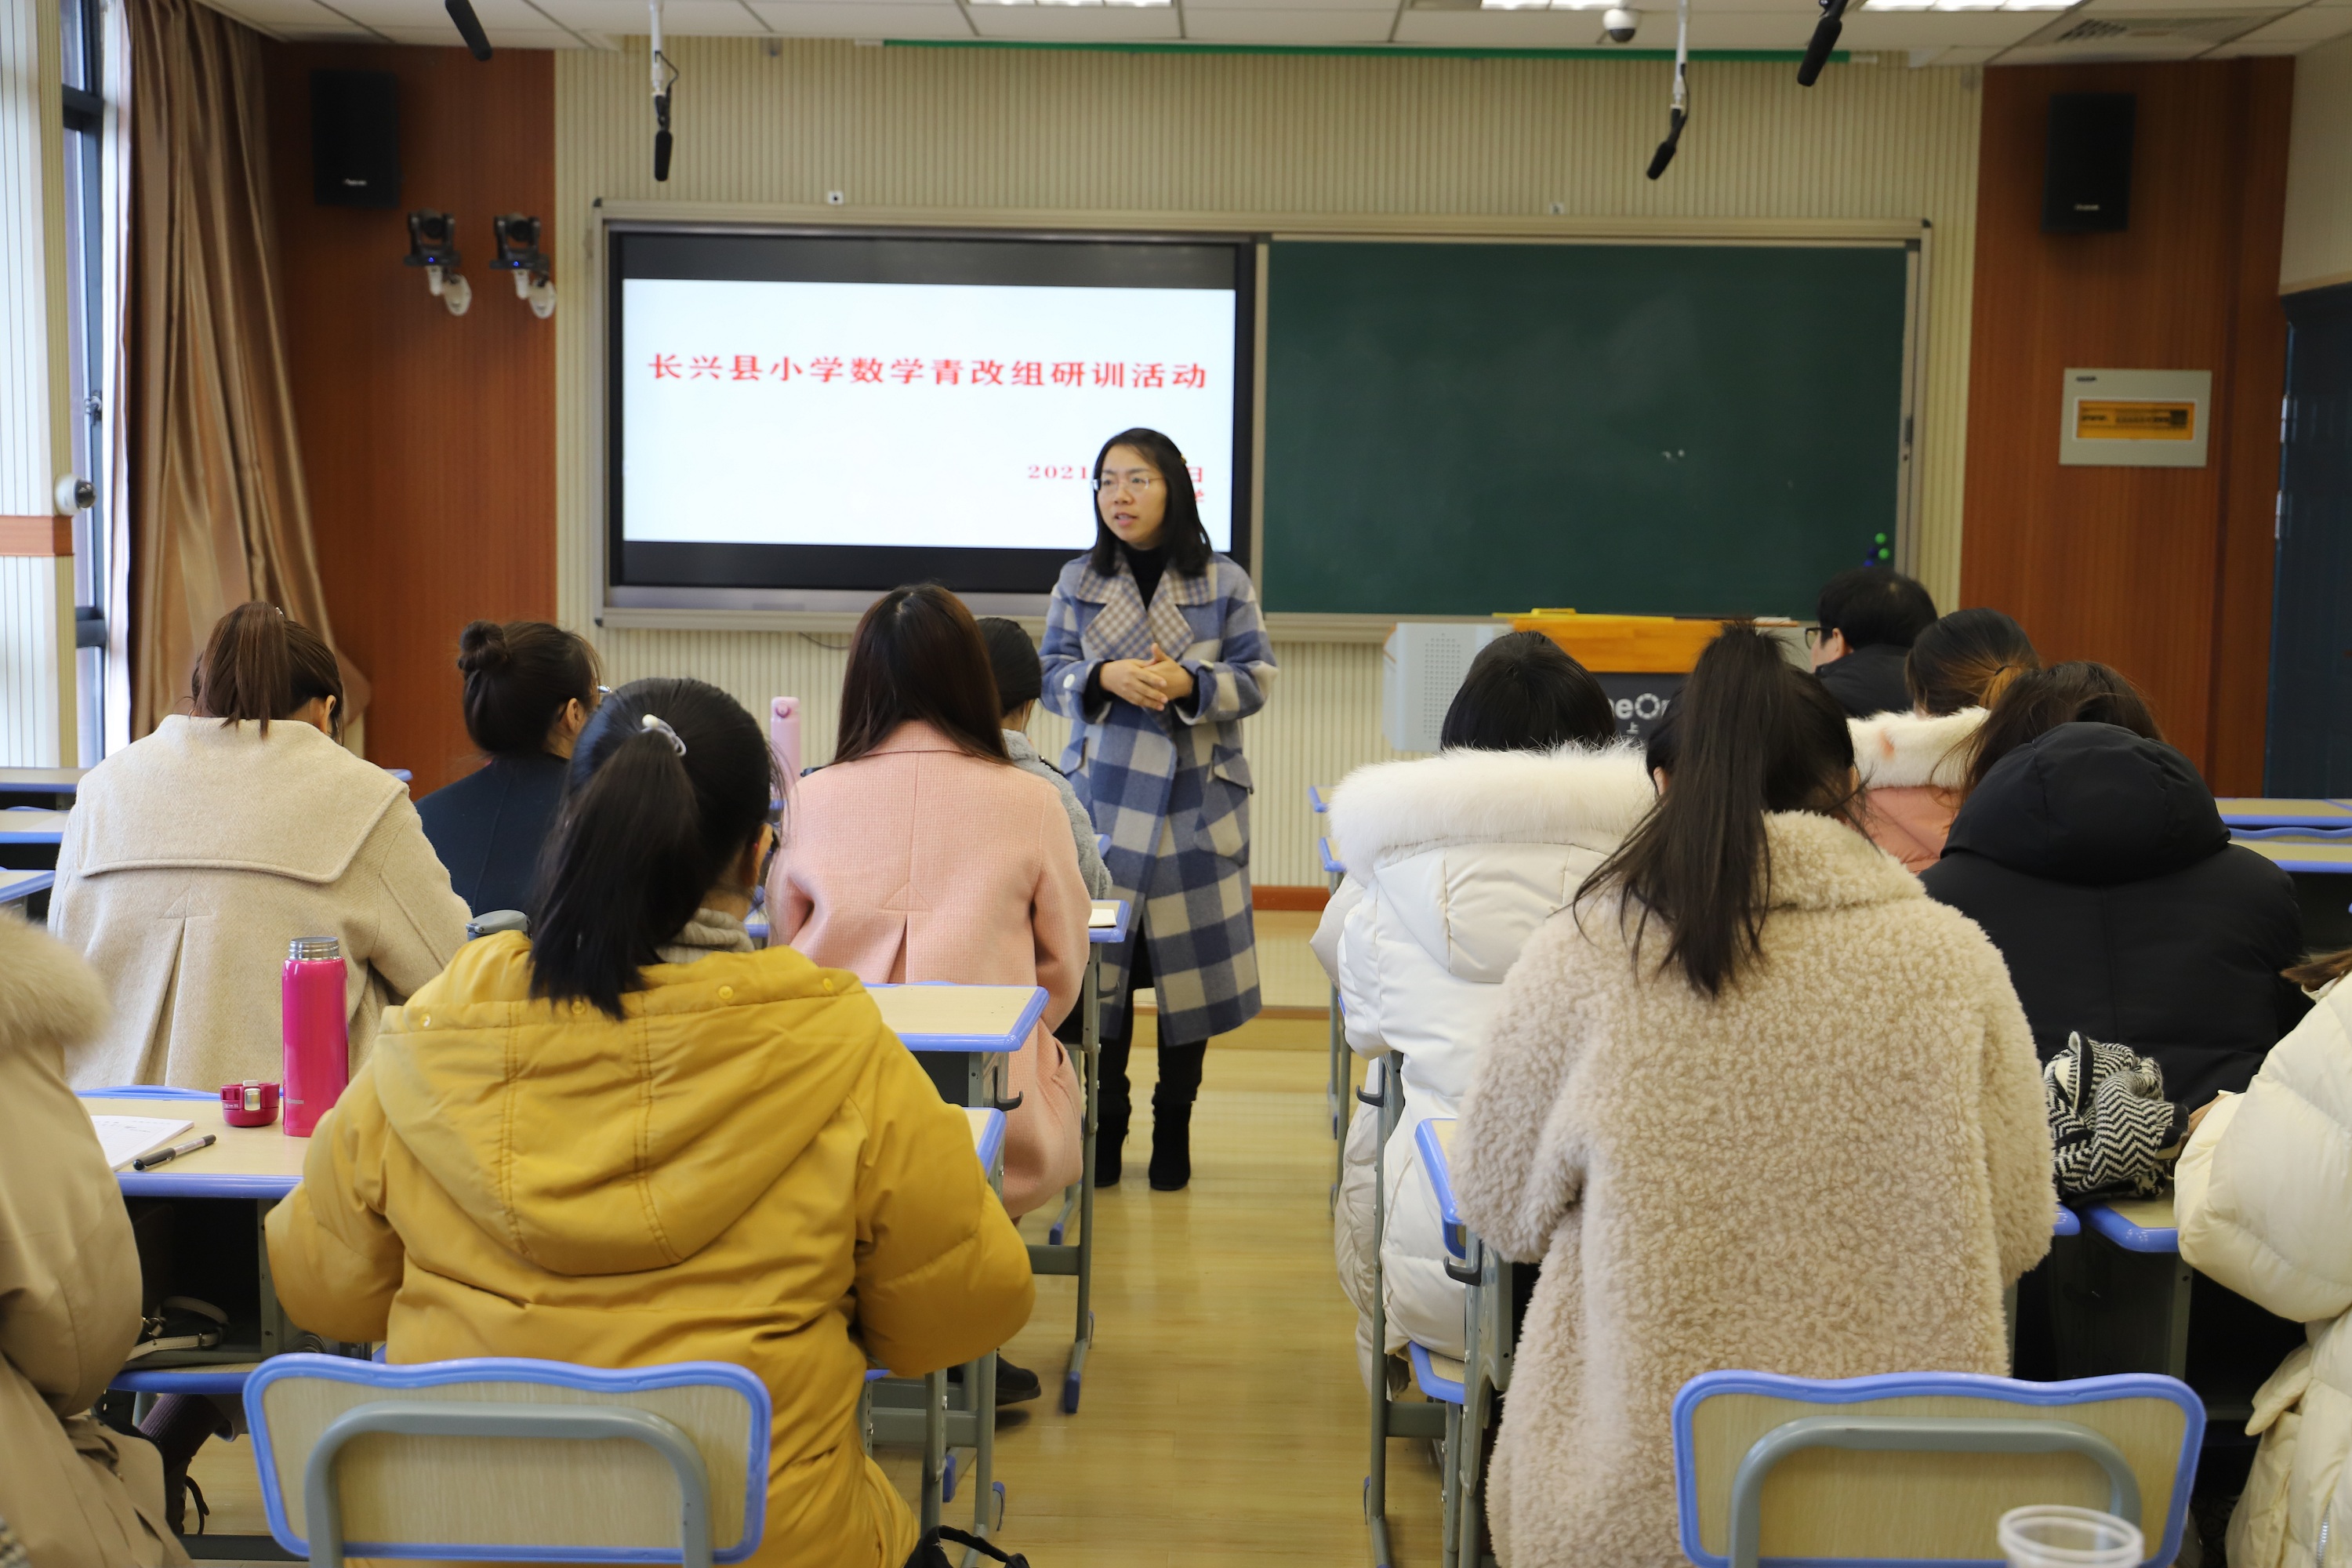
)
(2087, 175)
(354, 139)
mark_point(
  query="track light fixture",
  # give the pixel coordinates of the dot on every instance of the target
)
(1825, 37)
(521, 257)
(432, 244)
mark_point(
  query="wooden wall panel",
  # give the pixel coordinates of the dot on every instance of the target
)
(428, 440)
(2164, 573)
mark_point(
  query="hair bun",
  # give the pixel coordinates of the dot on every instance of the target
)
(481, 645)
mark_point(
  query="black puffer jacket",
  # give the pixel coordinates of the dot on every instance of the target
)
(1869, 681)
(2098, 864)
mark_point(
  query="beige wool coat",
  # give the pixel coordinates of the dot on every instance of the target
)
(75, 1494)
(192, 857)
(1832, 1170)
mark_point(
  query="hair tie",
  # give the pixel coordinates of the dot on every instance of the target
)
(652, 723)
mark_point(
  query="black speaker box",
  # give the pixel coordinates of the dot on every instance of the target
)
(2086, 177)
(354, 139)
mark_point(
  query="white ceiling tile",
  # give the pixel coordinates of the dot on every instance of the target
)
(1960, 55)
(687, 18)
(1503, 29)
(445, 36)
(2105, 51)
(278, 16)
(865, 19)
(2249, 51)
(2305, 26)
(1731, 30)
(2196, 7)
(1077, 24)
(1655, 13)
(1869, 29)
(1224, 26)
(1387, 7)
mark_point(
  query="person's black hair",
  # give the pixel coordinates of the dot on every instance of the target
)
(1012, 659)
(644, 834)
(1752, 734)
(518, 676)
(261, 663)
(1524, 693)
(1967, 660)
(917, 656)
(1182, 534)
(2078, 691)
(1872, 606)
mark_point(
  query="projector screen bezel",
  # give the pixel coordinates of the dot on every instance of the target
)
(839, 579)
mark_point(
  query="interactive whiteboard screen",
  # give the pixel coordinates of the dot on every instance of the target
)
(805, 421)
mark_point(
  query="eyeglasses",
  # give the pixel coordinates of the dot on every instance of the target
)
(1109, 482)
(1816, 635)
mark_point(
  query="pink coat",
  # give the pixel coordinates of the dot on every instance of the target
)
(1912, 767)
(921, 862)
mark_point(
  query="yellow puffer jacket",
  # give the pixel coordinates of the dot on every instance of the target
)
(747, 1167)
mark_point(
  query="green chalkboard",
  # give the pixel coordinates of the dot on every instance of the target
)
(1664, 429)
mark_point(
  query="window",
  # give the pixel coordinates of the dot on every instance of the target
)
(88, 327)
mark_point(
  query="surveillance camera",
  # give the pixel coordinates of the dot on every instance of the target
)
(1620, 24)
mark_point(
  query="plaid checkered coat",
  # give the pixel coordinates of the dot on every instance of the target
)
(1171, 789)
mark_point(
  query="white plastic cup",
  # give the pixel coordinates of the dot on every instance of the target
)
(2054, 1537)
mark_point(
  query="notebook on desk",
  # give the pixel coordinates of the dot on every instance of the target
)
(1102, 916)
(126, 1138)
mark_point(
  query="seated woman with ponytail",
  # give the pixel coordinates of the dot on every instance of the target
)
(628, 1139)
(1753, 1100)
(530, 689)
(194, 855)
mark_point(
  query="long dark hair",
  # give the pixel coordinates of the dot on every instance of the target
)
(1524, 693)
(644, 834)
(1181, 531)
(518, 676)
(1967, 660)
(918, 654)
(261, 663)
(2078, 691)
(1752, 734)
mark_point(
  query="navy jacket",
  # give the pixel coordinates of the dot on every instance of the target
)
(488, 828)
(2098, 864)
(1869, 681)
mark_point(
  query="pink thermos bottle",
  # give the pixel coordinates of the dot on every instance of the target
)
(318, 1042)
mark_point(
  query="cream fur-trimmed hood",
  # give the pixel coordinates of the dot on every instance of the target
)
(1903, 751)
(1819, 863)
(47, 996)
(1576, 794)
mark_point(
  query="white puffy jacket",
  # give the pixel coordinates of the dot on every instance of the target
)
(1453, 862)
(2264, 1204)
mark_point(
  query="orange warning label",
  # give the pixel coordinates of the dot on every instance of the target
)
(2114, 419)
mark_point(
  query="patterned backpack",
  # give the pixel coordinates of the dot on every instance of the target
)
(2108, 1120)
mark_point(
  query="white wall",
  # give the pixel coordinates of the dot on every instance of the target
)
(37, 708)
(2316, 247)
(1073, 130)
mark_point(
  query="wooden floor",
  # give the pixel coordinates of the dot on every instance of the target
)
(1222, 1420)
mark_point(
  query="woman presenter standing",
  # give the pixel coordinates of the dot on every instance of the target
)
(1155, 653)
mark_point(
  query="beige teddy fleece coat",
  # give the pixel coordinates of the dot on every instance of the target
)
(1832, 1170)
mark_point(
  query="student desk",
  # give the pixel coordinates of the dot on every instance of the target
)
(16, 887)
(32, 825)
(2253, 813)
(43, 786)
(1056, 1255)
(2319, 860)
(962, 1036)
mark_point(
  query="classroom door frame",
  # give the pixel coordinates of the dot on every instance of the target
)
(1914, 236)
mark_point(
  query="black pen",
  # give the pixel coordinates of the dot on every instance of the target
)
(149, 1161)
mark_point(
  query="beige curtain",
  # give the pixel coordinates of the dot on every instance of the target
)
(218, 509)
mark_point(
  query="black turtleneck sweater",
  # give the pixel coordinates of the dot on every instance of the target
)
(1147, 566)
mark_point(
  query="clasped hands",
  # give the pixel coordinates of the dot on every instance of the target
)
(1150, 683)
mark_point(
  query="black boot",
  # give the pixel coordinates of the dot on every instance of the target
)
(1112, 1110)
(1171, 1116)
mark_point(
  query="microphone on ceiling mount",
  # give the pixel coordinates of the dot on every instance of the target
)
(1679, 115)
(469, 27)
(664, 78)
(1825, 37)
